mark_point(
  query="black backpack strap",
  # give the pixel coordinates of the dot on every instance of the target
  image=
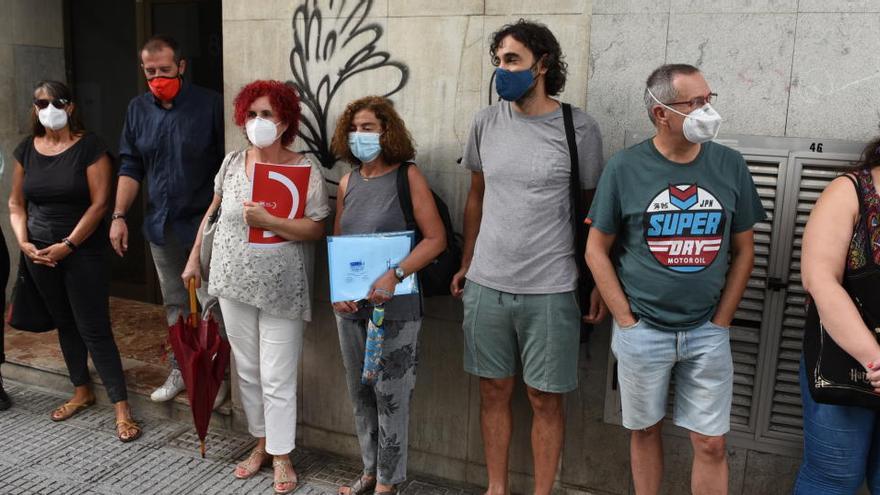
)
(578, 211)
(404, 196)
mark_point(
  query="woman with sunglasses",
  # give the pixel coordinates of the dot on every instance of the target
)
(60, 193)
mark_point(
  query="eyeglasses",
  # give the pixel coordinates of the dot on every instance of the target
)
(57, 103)
(698, 101)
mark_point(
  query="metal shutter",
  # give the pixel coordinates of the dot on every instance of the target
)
(809, 175)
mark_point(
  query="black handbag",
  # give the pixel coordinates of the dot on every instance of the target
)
(28, 311)
(833, 376)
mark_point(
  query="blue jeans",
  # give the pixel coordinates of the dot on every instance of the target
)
(840, 447)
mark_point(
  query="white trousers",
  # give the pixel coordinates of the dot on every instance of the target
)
(266, 350)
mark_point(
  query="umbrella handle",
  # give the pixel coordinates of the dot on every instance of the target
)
(193, 302)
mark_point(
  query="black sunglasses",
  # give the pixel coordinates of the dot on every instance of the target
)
(57, 103)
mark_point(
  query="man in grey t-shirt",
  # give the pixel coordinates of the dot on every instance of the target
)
(519, 257)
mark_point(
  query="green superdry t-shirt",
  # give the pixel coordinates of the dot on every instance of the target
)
(674, 222)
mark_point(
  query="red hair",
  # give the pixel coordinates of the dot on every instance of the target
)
(282, 97)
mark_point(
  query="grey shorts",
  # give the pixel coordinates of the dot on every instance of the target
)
(540, 331)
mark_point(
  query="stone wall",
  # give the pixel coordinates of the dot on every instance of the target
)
(805, 68)
(31, 49)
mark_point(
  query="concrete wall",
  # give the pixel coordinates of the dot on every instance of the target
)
(442, 47)
(31, 49)
(805, 68)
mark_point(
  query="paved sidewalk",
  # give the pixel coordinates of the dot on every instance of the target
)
(83, 456)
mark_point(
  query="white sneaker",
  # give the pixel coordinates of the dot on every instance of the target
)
(222, 393)
(172, 386)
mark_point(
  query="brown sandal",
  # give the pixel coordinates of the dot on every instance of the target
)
(70, 409)
(127, 424)
(363, 485)
(283, 478)
(246, 466)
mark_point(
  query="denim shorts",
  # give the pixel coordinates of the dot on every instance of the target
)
(540, 331)
(701, 364)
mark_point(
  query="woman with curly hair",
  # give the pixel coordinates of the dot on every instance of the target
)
(371, 135)
(264, 292)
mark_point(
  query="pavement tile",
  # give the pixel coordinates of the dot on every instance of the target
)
(83, 456)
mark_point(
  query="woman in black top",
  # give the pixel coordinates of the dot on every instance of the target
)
(60, 191)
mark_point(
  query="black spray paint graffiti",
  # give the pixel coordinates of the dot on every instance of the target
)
(332, 49)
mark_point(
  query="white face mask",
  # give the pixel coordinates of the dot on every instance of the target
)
(699, 126)
(52, 118)
(261, 132)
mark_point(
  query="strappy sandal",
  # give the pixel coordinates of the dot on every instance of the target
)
(392, 491)
(128, 424)
(70, 409)
(283, 478)
(363, 485)
(245, 469)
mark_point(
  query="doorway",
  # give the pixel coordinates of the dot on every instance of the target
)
(102, 41)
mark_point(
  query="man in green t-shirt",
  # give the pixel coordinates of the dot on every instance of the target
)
(679, 206)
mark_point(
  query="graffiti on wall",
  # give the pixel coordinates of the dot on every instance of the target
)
(335, 47)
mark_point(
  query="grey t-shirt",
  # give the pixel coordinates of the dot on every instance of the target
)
(526, 244)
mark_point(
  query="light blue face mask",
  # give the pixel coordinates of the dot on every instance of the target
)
(364, 145)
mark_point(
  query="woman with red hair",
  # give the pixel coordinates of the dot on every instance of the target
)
(264, 292)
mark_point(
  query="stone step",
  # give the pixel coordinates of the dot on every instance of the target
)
(57, 381)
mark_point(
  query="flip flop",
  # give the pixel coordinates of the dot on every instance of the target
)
(70, 409)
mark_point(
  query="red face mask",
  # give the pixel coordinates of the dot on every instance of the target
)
(164, 88)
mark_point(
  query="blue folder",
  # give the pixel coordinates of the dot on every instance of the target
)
(356, 261)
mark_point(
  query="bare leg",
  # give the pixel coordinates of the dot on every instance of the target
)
(548, 426)
(710, 471)
(646, 454)
(496, 423)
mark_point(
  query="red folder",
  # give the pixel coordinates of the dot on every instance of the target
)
(281, 189)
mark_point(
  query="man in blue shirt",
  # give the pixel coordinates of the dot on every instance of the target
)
(173, 137)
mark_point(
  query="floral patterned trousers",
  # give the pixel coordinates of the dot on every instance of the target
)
(381, 411)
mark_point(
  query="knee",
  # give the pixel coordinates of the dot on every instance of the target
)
(545, 403)
(495, 391)
(713, 448)
(650, 433)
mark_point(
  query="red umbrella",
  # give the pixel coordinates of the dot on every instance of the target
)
(203, 357)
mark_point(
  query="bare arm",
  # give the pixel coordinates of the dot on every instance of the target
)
(428, 220)
(742, 254)
(598, 257)
(473, 215)
(292, 229)
(825, 245)
(126, 192)
(18, 217)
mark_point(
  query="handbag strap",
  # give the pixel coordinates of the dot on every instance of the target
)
(862, 222)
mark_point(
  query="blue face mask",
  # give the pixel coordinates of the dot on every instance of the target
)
(364, 145)
(511, 86)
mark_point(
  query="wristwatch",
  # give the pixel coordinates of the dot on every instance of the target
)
(400, 274)
(118, 215)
